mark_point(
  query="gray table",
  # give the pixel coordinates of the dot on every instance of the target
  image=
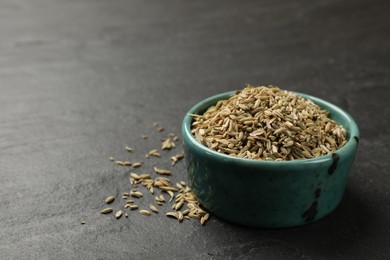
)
(80, 79)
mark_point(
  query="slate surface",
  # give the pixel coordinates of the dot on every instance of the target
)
(79, 79)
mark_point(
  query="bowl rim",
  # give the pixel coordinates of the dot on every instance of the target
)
(349, 147)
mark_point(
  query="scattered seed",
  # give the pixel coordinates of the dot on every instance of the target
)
(145, 212)
(172, 215)
(118, 214)
(137, 164)
(167, 144)
(168, 188)
(144, 136)
(106, 211)
(82, 222)
(160, 129)
(204, 219)
(180, 216)
(153, 208)
(129, 201)
(126, 215)
(110, 199)
(154, 153)
(133, 207)
(136, 194)
(111, 158)
(179, 205)
(121, 163)
(128, 148)
(176, 158)
(162, 171)
(170, 194)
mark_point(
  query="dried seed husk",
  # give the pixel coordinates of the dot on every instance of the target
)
(145, 212)
(179, 205)
(162, 171)
(176, 158)
(133, 207)
(106, 211)
(118, 214)
(136, 194)
(137, 164)
(173, 215)
(167, 144)
(168, 188)
(153, 208)
(135, 176)
(154, 153)
(180, 216)
(121, 163)
(127, 163)
(110, 199)
(128, 148)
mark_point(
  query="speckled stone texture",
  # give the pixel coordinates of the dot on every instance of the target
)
(79, 79)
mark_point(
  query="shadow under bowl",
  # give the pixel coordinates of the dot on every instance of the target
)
(270, 194)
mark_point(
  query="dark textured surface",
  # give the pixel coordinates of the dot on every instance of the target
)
(79, 79)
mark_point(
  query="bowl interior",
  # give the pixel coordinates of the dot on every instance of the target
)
(335, 113)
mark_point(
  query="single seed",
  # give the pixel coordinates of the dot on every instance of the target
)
(180, 216)
(153, 208)
(120, 163)
(82, 222)
(133, 207)
(137, 164)
(178, 205)
(168, 188)
(126, 215)
(111, 158)
(118, 214)
(145, 212)
(136, 194)
(172, 215)
(129, 201)
(128, 148)
(110, 199)
(106, 211)
(160, 129)
(144, 136)
(162, 171)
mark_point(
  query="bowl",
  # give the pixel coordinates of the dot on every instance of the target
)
(271, 194)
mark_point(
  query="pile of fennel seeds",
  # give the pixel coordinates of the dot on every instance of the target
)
(156, 187)
(267, 123)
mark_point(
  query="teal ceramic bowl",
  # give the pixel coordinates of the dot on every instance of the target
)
(269, 193)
